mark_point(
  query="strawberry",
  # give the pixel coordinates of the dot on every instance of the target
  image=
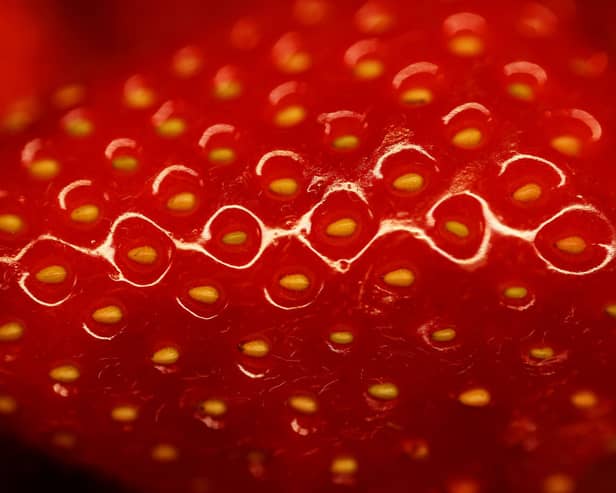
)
(324, 247)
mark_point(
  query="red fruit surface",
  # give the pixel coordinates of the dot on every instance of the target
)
(326, 247)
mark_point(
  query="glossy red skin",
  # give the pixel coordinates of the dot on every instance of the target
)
(529, 431)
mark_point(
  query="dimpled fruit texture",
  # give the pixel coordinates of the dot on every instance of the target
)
(328, 247)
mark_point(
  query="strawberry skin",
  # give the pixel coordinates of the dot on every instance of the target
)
(325, 247)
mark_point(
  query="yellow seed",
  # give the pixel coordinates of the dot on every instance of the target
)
(516, 292)
(257, 348)
(107, 315)
(11, 331)
(417, 96)
(235, 238)
(186, 65)
(344, 466)
(443, 335)
(44, 169)
(164, 452)
(65, 373)
(346, 142)
(53, 274)
(290, 116)
(125, 163)
(166, 356)
(79, 127)
(227, 90)
(8, 404)
(401, 278)
(303, 404)
(283, 186)
(383, 391)
(342, 227)
(182, 202)
(295, 282)
(457, 228)
(204, 294)
(213, 407)
(296, 63)
(569, 145)
(68, 96)
(341, 337)
(124, 414)
(139, 98)
(468, 138)
(11, 223)
(466, 45)
(475, 397)
(64, 440)
(374, 22)
(558, 483)
(527, 193)
(172, 127)
(145, 255)
(521, 91)
(85, 214)
(311, 12)
(543, 352)
(571, 244)
(417, 449)
(409, 182)
(221, 155)
(17, 119)
(584, 399)
(368, 69)
(611, 310)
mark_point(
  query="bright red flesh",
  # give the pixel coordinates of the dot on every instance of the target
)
(538, 362)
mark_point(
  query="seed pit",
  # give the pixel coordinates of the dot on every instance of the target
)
(138, 94)
(290, 55)
(465, 33)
